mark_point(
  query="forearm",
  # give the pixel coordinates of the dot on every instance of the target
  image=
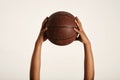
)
(36, 63)
(88, 63)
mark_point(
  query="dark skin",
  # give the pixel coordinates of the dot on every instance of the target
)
(88, 59)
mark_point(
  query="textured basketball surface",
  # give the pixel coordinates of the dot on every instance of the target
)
(61, 28)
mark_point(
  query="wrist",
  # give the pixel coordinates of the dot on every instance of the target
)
(87, 44)
(38, 43)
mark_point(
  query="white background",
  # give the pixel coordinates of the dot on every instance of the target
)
(20, 23)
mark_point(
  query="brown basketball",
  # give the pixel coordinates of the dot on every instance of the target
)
(61, 28)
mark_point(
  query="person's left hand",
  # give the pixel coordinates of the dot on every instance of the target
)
(41, 37)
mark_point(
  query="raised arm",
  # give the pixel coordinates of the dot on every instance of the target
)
(36, 57)
(88, 60)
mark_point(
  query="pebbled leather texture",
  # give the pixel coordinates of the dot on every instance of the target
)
(60, 28)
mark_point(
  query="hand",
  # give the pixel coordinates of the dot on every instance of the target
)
(82, 36)
(41, 37)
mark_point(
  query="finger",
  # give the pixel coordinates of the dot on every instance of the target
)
(78, 20)
(44, 22)
(45, 34)
(45, 29)
(79, 32)
(79, 24)
(76, 30)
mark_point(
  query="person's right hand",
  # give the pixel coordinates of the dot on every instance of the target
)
(41, 37)
(82, 36)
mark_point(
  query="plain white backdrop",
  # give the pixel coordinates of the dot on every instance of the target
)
(20, 23)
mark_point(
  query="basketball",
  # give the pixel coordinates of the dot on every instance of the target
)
(61, 28)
